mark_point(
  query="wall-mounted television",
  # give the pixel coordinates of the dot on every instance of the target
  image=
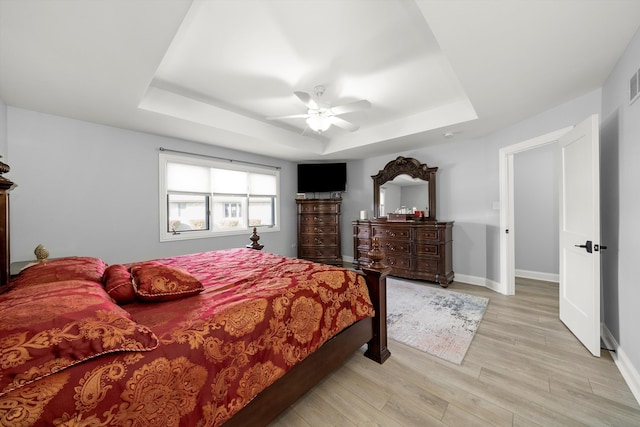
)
(322, 177)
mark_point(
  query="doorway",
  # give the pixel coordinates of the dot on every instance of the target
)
(507, 204)
(579, 226)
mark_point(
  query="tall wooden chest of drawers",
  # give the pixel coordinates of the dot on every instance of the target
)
(413, 249)
(319, 230)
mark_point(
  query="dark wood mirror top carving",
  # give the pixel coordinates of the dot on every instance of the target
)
(405, 165)
(414, 169)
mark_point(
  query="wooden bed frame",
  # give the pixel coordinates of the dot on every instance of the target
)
(301, 378)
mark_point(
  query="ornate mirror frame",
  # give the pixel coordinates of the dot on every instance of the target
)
(405, 166)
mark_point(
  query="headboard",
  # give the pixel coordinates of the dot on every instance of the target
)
(5, 258)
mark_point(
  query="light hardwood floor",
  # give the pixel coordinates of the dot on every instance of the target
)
(524, 368)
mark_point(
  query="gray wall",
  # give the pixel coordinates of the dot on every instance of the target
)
(468, 187)
(88, 189)
(620, 207)
(3, 131)
(536, 213)
(98, 185)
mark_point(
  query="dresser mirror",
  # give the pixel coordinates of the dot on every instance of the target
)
(404, 184)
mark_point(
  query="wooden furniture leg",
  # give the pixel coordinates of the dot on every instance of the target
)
(376, 275)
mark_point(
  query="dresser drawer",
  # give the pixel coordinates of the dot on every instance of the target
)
(428, 265)
(318, 208)
(362, 232)
(363, 244)
(318, 239)
(391, 233)
(395, 247)
(363, 260)
(396, 261)
(426, 249)
(317, 252)
(319, 229)
(319, 219)
(422, 235)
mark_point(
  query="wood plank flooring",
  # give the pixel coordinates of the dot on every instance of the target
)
(524, 368)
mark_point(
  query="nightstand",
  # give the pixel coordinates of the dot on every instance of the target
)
(16, 267)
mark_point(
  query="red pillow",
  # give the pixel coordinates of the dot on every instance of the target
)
(158, 282)
(61, 269)
(117, 282)
(48, 327)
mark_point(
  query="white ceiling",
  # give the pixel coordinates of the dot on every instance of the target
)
(212, 71)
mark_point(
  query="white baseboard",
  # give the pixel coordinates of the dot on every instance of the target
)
(462, 278)
(536, 275)
(626, 368)
(470, 280)
(347, 259)
(479, 281)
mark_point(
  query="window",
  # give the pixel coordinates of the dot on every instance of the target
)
(204, 198)
(188, 212)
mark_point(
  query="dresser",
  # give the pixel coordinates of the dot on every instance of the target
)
(413, 249)
(319, 230)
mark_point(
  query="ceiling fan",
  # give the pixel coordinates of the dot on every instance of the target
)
(320, 116)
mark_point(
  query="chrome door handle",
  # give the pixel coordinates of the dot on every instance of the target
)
(588, 246)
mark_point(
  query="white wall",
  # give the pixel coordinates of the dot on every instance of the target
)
(88, 189)
(620, 210)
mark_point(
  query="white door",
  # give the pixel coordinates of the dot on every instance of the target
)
(580, 233)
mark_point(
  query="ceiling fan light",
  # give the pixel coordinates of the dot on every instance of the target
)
(319, 123)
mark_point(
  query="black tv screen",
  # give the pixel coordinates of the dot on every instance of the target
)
(322, 177)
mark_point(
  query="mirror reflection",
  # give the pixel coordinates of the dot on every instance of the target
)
(404, 194)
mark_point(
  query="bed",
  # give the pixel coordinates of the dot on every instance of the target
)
(229, 337)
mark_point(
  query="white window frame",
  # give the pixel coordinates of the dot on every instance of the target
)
(168, 236)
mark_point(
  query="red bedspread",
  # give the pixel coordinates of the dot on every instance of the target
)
(259, 315)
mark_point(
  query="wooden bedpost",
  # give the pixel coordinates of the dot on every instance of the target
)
(376, 274)
(5, 257)
(254, 239)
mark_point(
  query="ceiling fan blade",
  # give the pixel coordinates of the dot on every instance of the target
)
(363, 104)
(307, 99)
(292, 116)
(341, 123)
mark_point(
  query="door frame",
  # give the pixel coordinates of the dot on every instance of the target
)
(507, 285)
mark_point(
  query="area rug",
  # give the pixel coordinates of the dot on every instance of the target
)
(434, 320)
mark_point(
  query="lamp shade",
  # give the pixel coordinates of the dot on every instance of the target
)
(319, 123)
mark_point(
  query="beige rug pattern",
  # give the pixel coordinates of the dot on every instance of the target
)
(438, 321)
